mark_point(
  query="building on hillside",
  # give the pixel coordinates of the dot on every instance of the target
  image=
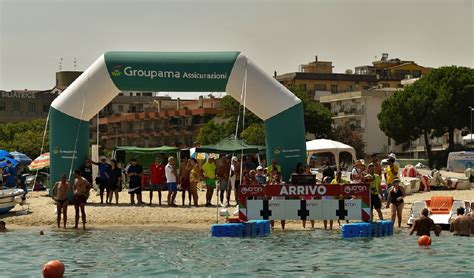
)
(317, 79)
(178, 126)
(393, 68)
(359, 110)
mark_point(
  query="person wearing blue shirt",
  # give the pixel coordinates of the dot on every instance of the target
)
(103, 178)
(10, 175)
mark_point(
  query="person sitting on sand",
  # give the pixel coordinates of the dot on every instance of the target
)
(461, 226)
(3, 226)
(424, 224)
(60, 190)
(81, 189)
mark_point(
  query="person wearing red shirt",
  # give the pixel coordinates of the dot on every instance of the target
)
(157, 179)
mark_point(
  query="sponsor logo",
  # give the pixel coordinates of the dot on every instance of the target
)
(277, 150)
(348, 189)
(116, 72)
(251, 190)
(56, 150)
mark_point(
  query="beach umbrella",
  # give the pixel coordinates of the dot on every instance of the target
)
(4, 161)
(21, 157)
(4, 154)
(40, 162)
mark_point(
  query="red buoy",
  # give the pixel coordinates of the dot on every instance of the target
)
(424, 241)
(53, 269)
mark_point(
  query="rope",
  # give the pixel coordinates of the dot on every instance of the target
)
(77, 133)
(42, 144)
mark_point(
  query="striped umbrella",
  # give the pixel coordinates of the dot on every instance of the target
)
(21, 157)
(40, 162)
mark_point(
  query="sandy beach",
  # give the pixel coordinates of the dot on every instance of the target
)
(41, 213)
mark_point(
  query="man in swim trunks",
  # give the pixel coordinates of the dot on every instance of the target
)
(81, 189)
(461, 226)
(209, 171)
(184, 179)
(61, 188)
(424, 224)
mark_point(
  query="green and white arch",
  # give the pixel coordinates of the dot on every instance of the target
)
(113, 72)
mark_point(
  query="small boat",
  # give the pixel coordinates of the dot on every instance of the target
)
(442, 209)
(9, 198)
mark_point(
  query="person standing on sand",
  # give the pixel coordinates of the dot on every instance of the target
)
(375, 196)
(157, 179)
(103, 178)
(194, 178)
(115, 182)
(81, 188)
(424, 224)
(61, 188)
(461, 226)
(223, 173)
(171, 181)
(395, 201)
(235, 175)
(86, 170)
(184, 179)
(276, 180)
(135, 172)
(209, 171)
(391, 171)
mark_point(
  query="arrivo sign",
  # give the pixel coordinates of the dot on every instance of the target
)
(317, 190)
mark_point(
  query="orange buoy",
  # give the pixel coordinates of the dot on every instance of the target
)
(53, 269)
(424, 241)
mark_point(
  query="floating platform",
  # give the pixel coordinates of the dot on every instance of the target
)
(253, 228)
(366, 230)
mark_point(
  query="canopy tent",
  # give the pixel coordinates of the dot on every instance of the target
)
(468, 138)
(21, 157)
(230, 146)
(329, 146)
(144, 156)
(40, 162)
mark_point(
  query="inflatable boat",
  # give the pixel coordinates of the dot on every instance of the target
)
(442, 209)
(9, 198)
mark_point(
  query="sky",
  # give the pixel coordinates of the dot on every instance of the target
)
(277, 35)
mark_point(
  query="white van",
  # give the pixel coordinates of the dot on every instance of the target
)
(459, 161)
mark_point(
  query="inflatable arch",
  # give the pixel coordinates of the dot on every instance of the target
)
(113, 72)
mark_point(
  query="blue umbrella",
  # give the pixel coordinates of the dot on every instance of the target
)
(21, 157)
(4, 154)
(4, 160)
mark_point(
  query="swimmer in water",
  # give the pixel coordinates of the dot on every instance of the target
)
(461, 226)
(424, 224)
(3, 226)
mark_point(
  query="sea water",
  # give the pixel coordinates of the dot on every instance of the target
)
(149, 252)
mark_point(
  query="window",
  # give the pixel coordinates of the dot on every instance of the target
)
(45, 108)
(320, 87)
(31, 107)
(365, 87)
(350, 88)
(303, 87)
(2, 106)
(416, 73)
(16, 106)
(120, 108)
(333, 88)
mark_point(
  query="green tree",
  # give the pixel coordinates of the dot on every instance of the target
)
(317, 118)
(25, 137)
(350, 136)
(211, 133)
(254, 134)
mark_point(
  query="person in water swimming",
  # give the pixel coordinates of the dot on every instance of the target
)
(61, 188)
(461, 226)
(424, 224)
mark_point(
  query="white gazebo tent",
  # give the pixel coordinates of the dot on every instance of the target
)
(329, 146)
(467, 139)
